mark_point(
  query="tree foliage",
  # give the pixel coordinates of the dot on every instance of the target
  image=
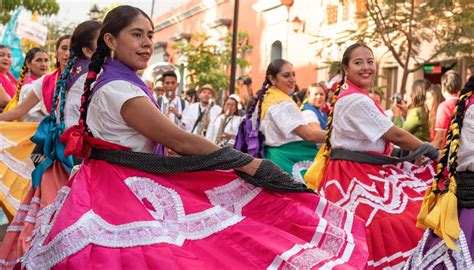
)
(44, 7)
(417, 34)
(208, 63)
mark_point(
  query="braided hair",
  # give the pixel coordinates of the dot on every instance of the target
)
(115, 21)
(449, 155)
(272, 70)
(345, 62)
(82, 37)
(30, 55)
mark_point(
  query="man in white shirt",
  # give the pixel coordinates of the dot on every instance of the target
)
(197, 116)
(172, 104)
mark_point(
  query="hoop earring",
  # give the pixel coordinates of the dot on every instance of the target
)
(112, 54)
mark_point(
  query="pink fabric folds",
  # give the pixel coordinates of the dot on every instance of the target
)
(8, 82)
(112, 217)
(49, 84)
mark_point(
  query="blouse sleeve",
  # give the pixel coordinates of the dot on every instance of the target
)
(367, 119)
(286, 116)
(37, 88)
(116, 93)
(310, 117)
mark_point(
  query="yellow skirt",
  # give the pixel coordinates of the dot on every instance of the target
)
(15, 164)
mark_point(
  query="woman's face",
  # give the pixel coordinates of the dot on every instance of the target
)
(39, 65)
(5, 60)
(361, 68)
(133, 46)
(429, 101)
(63, 53)
(285, 79)
(230, 107)
(317, 97)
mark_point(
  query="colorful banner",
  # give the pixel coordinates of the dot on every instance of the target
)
(11, 39)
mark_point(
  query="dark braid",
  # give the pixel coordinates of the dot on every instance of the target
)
(451, 147)
(331, 114)
(95, 66)
(21, 81)
(59, 92)
(257, 102)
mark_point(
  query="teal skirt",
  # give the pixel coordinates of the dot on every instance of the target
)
(295, 157)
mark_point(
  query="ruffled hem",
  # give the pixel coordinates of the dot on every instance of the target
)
(433, 253)
(387, 198)
(213, 221)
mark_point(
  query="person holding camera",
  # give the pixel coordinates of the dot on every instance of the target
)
(417, 119)
(246, 81)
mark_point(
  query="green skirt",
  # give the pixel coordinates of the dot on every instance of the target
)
(295, 157)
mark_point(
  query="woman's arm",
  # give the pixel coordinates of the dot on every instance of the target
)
(311, 132)
(140, 114)
(4, 97)
(30, 101)
(402, 138)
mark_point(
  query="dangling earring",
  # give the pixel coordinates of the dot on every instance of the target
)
(345, 85)
(112, 54)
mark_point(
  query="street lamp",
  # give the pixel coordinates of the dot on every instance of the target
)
(94, 12)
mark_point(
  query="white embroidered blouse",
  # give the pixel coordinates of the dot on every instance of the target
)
(105, 121)
(279, 122)
(359, 125)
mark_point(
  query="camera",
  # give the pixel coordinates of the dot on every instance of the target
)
(398, 97)
(246, 80)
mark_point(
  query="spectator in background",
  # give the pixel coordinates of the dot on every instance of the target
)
(159, 91)
(376, 96)
(175, 105)
(299, 96)
(432, 101)
(416, 121)
(7, 81)
(469, 72)
(314, 105)
(191, 96)
(450, 86)
(196, 117)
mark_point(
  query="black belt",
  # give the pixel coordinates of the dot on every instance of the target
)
(374, 159)
(465, 189)
(268, 175)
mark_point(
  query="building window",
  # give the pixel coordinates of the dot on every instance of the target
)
(390, 80)
(331, 14)
(277, 51)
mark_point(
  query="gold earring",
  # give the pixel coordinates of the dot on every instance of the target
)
(112, 54)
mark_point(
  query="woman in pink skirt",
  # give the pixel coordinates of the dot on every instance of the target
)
(130, 208)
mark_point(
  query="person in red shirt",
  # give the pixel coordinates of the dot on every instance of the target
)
(450, 86)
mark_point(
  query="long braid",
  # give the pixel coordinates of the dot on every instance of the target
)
(95, 66)
(315, 173)
(259, 100)
(14, 101)
(331, 115)
(59, 92)
(439, 209)
(21, 81)
(455, 131)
